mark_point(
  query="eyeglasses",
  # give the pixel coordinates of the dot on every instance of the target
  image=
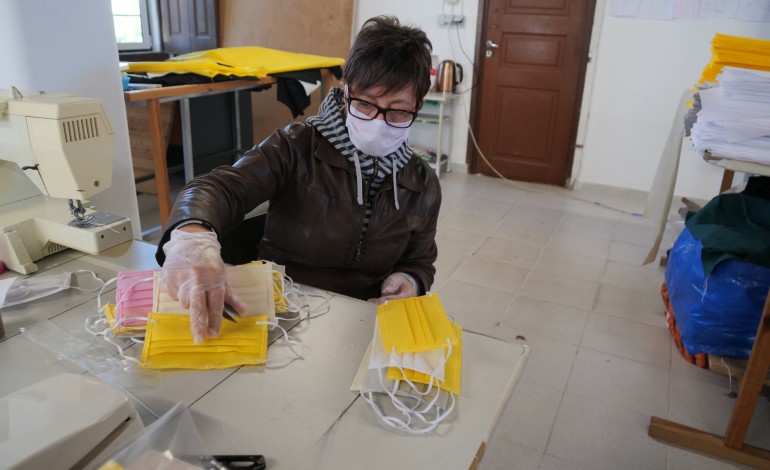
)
(369, 111)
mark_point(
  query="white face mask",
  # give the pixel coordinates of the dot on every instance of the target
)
(36, 287)
(375, 137)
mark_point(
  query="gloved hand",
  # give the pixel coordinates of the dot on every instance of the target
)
(194, 274)
(396, 286)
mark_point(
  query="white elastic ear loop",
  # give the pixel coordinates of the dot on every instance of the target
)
(412, 411)
(99, 307)
(109, 335)
(290, 342)
(83, 289)
(292, 293)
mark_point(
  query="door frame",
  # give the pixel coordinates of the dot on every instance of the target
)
(472, 157)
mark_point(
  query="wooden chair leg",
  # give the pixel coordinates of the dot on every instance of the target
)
(731, 446)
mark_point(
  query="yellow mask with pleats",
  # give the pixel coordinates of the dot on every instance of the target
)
(415, 324)
(452, 368)
(168, 343)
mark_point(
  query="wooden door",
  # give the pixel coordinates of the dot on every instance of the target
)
(188, 25)
(527, 109)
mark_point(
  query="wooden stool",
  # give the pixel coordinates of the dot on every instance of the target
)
(731, 446)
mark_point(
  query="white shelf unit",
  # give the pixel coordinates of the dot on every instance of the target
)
(436, 112)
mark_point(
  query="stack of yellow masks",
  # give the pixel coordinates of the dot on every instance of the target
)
(735, 51)
(415, 358)
(168, 341)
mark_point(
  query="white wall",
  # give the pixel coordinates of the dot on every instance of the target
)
(641, 68)
(446, 45)
(638, 71)
(68, 46)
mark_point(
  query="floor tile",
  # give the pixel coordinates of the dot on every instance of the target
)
(549, 362)
(641, 278)
(630, 304)
(587, 226)
(600, 436)
(629, 339)
(579, 244)
(571, 264)
(491, 273)
(530, 233)
(684, 459)
(486, 207)
(529, 415)
(565, 290)
(547, 319)
(554, 463)
(619, 382)
(628, 253)
(534, 215)
(519, 253)
(474, 306)
(457, 241)
(478, 224)
(448, 262)
(502, 454)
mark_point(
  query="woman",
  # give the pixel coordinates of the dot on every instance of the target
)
(351, 209)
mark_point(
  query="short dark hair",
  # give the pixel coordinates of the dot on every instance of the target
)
(389, 55)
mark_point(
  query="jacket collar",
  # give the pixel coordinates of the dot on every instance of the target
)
(408, 177)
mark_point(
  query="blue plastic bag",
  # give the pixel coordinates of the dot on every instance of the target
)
(718, 314)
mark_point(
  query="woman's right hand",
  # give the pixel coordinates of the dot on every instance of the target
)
(194, 274)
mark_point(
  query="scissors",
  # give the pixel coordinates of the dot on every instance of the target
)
(230, 313)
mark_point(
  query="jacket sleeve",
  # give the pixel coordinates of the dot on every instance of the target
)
(222, 197)
(421, 252)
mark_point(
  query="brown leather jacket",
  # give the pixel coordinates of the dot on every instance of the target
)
(314, 223)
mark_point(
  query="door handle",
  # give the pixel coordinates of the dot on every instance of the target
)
(492, 45)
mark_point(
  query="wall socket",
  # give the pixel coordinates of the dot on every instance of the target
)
(444, 20)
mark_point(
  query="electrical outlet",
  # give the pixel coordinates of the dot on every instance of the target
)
(444, 20)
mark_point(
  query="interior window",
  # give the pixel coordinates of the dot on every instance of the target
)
(132, 29)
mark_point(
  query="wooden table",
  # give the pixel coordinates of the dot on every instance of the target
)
(302, 415)
(153, 97)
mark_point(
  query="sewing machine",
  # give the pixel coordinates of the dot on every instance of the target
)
(55, 152)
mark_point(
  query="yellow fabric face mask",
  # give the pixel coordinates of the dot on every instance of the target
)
(415, 324)
(415, 359)
(452, 369)
(168, 343)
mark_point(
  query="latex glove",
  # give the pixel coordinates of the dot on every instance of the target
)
(396, 286)
(194, 274)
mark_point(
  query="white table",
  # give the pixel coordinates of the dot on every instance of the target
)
(299, 416)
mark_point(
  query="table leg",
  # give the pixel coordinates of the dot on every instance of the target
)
(159, 159)
(727, 181)
(187, 152)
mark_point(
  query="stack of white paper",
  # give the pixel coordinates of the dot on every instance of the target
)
(735, 119)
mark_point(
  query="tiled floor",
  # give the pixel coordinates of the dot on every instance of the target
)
(535, 262)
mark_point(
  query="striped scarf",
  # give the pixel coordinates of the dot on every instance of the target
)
(330, 122)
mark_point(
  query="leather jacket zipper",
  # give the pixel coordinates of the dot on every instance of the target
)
(366, 195)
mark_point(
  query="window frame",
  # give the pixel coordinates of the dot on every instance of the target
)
(146, 44)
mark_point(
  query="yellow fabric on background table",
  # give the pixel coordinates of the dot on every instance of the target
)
(736, 51)
(246, 61)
